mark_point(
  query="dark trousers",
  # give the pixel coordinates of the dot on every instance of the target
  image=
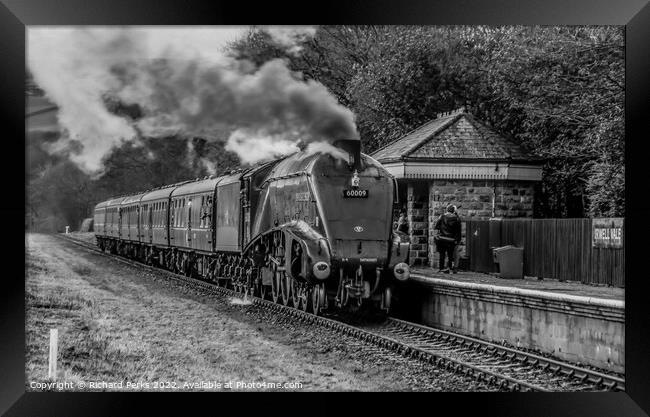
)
(446, 248)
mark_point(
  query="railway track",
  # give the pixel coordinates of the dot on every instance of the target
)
(499, 366)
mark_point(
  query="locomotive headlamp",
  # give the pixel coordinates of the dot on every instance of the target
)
(355, 179)
(401, 271)
(321, 270)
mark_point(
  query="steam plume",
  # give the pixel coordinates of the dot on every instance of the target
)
(184, 85)
(290, 37)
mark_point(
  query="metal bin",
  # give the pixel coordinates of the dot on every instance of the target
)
(510, 261)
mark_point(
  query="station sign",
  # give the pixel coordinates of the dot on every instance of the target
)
(607, 233)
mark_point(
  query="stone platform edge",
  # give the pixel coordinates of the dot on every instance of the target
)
(602, 308)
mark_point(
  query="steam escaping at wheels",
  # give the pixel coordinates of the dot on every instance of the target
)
(245, 301)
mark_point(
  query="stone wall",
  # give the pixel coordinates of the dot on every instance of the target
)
(417, 210)
(574, 328)
(477, 199)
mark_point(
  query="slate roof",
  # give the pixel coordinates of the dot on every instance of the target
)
(455, 136)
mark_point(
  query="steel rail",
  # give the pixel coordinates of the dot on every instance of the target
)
(578, 373)
(404, 348)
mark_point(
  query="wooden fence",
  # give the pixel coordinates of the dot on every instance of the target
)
(553, 248)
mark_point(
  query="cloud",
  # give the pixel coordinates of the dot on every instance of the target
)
(185, 85)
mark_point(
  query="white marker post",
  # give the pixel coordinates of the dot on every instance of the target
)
(54, 336)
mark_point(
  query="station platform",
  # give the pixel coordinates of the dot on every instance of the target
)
(572, 321)
(546, 285)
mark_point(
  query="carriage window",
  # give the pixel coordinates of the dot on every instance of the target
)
(183, 212)
(178, 212)
(208, 211)
(202, 212)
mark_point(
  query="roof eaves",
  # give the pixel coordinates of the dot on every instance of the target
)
(505, 160)
(389, 160)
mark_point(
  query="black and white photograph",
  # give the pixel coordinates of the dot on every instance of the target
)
(433, 208)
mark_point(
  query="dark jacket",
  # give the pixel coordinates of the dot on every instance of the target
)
(449, 226)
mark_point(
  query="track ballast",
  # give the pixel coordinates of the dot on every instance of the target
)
(499, 366)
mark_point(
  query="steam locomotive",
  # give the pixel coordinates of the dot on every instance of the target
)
(309, 230)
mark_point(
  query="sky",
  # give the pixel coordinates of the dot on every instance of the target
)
(185, 83)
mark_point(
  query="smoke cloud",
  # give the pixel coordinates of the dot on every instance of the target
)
(291, 37)
(326, 148)
(185, 86)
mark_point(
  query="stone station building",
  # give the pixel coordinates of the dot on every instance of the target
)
(456, 159)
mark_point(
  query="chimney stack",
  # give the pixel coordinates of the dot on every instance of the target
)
(353, 148)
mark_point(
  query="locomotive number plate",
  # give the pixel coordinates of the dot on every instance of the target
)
(355, 193)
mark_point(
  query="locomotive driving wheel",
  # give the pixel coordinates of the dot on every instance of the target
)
(304, 295)
(263, 291)
(249, 285)
(239, 287)
(295, 293)
(248, 291)
(318, 299)
(275, 283)
(187, 266)
(285, 287)
(315, 301)
(386, 297)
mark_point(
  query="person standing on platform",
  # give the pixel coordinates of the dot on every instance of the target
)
(402, 223)
(448, 236)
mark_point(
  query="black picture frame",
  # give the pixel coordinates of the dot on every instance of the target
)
(634, 14)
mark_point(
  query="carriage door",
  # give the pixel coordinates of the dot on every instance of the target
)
(188, 230)
(149, 233)
(119, 222)
(246, 212)
(209, 220)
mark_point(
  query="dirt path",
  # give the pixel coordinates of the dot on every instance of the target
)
(122, 325)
